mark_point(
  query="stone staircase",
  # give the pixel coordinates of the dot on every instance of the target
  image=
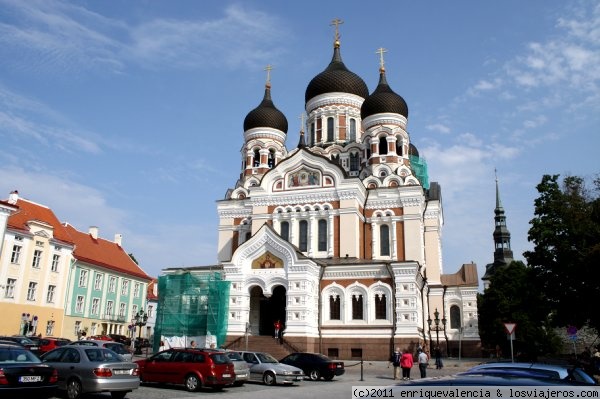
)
(261, 343)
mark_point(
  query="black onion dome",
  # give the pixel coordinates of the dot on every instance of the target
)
(266, 115)
(412, 150)
(336, 78)
(383, 100)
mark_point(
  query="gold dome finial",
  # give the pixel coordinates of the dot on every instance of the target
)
(380, 51)
(336, 22)
(268, 68)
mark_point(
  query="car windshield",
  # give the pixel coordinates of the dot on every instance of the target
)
(118, 348)
(581, 376)
(24, 341)
(266, 358)
(220, 358)
(62, 342)
(17, 355)
(234, 356)
(102, 355)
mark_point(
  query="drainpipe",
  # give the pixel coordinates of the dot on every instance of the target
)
(69, 291)
(444, 316)
(393, 335)
(423, 309)
(320, 301)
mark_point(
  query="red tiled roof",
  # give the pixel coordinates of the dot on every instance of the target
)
(103, 253)
(30, 211)
(467, 275)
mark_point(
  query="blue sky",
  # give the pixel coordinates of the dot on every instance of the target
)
(128, 115)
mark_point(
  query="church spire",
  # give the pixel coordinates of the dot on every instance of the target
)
(503, 255)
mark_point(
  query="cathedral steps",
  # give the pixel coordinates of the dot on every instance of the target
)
(261, 343)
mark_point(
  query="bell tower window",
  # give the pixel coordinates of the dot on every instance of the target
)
(256, 160)
(285, 230)
(352, 130)
(322, 233)
(384, 240)
(271, 158)
(383, 146)
(303, 239)
(399, 145)
(330, 129)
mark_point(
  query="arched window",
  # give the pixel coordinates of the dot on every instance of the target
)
(334, 307)
(303, 236)
(354, 161)
(285, 230)
(329, 129)
(271, 158)
(352, 129)
(384, 240)
(380, 307)
(322, 232)
(256, 158)
(383, 146)
(357, 307)
(455, 321)
(399, 145)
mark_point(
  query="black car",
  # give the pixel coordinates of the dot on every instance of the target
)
(22, 374)
(315, 365)
(24, 341)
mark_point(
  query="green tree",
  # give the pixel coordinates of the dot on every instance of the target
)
(510, 299)
(565, 259)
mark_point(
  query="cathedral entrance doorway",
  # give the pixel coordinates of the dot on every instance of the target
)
(264, 312)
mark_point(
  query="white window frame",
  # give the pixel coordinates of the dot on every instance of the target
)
(55, 262)
(9, 291)
(50, 294)
(95, 306)
(136, 290)
(83, 276)
(79, 304)
(50, 328)
(98, 281)
(134, 310)
(112, 284)
(122, 307)
(125, 287)
(109, 308)
(15, 256)
(37, 257)
(149, 312)
(31, 291)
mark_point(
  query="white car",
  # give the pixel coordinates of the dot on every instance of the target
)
(266, 369)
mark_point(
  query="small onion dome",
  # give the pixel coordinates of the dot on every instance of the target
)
(412, 150)
(383, 100)
(336, 78)
(266, 115)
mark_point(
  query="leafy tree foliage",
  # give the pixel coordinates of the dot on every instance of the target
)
(566, 257)
(510, 299)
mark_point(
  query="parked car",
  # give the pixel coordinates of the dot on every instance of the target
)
(101, 337)
(242, 371)
(194, 368)
(49, 343)
(478, 380)
(563, 373)
(24, 341)
(315, 365)
(22, 373)
(84, 369)
(120, 338)
(266, 369)
(117, 347)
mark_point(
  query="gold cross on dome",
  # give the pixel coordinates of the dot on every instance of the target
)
(302, 122)
(380, 51)
(336, 22)
(268, 68)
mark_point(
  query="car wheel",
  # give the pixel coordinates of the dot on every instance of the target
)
(269, 378)
(328, 377)
(74, 389)
(118, 394)
(314, 375)
(192, 383)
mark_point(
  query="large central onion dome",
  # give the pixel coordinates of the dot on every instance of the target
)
(336, 78)
(266, 115)
(383, 100)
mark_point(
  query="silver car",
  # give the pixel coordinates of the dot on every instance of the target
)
(242, 370)
(564, 373)
(266, 369)
(85, 369)
(119, 348)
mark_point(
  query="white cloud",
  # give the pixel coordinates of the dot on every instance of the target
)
(438, 127)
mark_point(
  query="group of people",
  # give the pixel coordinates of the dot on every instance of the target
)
(404, 361)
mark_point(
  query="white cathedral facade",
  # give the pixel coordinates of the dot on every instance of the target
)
(339, 238)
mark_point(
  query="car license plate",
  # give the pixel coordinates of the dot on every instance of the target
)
(299, 378)
(121, 372)
(339, 366)
(30, 378)
(226, 375)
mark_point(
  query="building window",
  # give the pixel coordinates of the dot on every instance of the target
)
(384, 240)
(125, 287)
(16, 254)
(136, 290)
(50, 294)
(109, 308)
(78, 328)
(55, 261)
(329, 129)
(303, 237)
(312, 135)
(399, 145)
(9, 291)
(256, 158)
(98, 282)
(322, 233)
(83, 278)
(122, 309)
(271, 161)
(357, 307)
(149, 312)
(383, 146)
(354, 161)
(50, 328)
(37, 257)
(79, 304)
(285, 230)
(94, 329)
(112, 284)
(134, 310)
(31, 291)
(334, 307)
(380, 307)
(455, 317)
(352, 129)
(95, 306)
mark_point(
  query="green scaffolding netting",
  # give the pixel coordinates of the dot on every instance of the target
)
(419, 166)
(192, 305)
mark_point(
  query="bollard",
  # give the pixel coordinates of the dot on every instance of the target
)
(361, 369)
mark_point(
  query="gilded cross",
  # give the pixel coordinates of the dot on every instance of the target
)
(336, 22)
(268, 69)
(380, 51)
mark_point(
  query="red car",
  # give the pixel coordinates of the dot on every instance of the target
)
(193, 368)
(49, 343)
(101, 337)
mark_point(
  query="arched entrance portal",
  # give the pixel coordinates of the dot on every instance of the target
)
(265, 311)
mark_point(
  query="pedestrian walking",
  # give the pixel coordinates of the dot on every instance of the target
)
(406, 363)
(423, 363)
(438, 358)
(277, 326)
(395, 361)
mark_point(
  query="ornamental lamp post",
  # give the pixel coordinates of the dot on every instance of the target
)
(141, 318)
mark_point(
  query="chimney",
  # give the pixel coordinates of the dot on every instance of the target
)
(94, 232)
(118, 239)
(13, 197)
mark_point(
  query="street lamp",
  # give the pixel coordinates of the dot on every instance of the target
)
(436, 327)
(141, 318)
